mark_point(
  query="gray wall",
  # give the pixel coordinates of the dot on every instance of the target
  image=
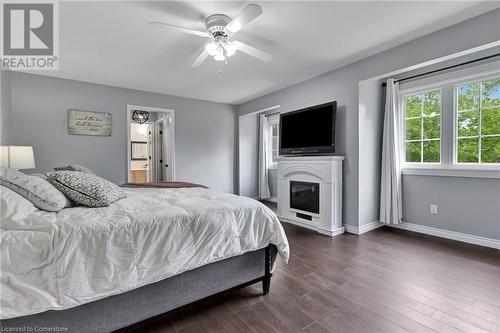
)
(466, 205)
(273, 182)
(5, 113)
(370, 125)
(248, 155)
(204, 131)
(342, 85)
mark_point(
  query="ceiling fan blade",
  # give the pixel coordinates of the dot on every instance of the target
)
(201, 58)
(180, 29)
(247, 15)
(252, 51)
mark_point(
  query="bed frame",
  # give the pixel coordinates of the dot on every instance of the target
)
(122, 310)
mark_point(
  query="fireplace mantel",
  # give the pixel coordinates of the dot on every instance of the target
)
(323, 170)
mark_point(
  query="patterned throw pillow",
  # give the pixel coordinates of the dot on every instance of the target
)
(74, 167)
(37, 190)
(85, 188)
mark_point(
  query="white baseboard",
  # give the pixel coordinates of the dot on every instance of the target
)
(364, 228)
(334, 232)
(458, 236)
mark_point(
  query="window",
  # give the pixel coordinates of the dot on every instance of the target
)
(423, 127)
(452, 122)
(275, 142)
(273, 130)
(478, 122)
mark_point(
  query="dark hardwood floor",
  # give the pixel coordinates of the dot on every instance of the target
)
(387, 280)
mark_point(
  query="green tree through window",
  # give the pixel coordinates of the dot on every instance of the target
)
(423, 127)
(478, 122)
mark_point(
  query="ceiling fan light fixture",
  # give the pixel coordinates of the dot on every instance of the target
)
(220, 56)
(220, 30)
(230, 49)
(211, 48)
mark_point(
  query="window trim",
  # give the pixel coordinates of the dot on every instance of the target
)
(448, 84)
(453, 172)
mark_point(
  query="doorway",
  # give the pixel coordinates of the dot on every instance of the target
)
(150, 144)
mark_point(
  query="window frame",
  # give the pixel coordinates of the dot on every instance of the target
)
(448, 83)
(485, 77)
(403, 129)
(271, 121)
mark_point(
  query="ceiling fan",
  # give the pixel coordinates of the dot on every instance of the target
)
(220, 30)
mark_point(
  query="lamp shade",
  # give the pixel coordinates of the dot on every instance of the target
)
(17, 157)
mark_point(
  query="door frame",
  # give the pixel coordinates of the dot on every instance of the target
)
(171, 132)
(160, 144)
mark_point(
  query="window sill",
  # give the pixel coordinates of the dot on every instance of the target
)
(453, 172)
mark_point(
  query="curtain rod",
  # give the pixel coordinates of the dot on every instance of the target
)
(272, 114)
(444, 68)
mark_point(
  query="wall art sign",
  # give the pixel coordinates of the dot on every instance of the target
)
(89, 123)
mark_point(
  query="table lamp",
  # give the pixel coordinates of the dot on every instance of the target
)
(17, 157)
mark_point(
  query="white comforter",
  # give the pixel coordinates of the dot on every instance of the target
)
(58, 261)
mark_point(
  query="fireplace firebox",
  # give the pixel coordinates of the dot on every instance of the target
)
(304, 196)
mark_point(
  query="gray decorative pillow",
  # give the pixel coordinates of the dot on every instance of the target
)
(74, 167)
(37, 190)
(85, 188)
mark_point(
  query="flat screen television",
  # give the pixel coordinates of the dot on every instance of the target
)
(308, 131)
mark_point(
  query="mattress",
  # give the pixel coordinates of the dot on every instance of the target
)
(79, 255)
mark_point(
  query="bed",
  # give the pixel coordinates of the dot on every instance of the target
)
(101, 269)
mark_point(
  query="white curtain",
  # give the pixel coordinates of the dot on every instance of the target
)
(264, 192)
(390, 186)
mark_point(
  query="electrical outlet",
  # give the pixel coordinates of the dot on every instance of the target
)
(434, 209)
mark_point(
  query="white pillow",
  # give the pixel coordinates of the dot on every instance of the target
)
(13, 206)
(41, 175)
(37, 190)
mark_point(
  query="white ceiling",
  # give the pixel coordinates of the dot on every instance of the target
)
(112, 43)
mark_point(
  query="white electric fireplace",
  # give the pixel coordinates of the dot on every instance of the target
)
(310, 192)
